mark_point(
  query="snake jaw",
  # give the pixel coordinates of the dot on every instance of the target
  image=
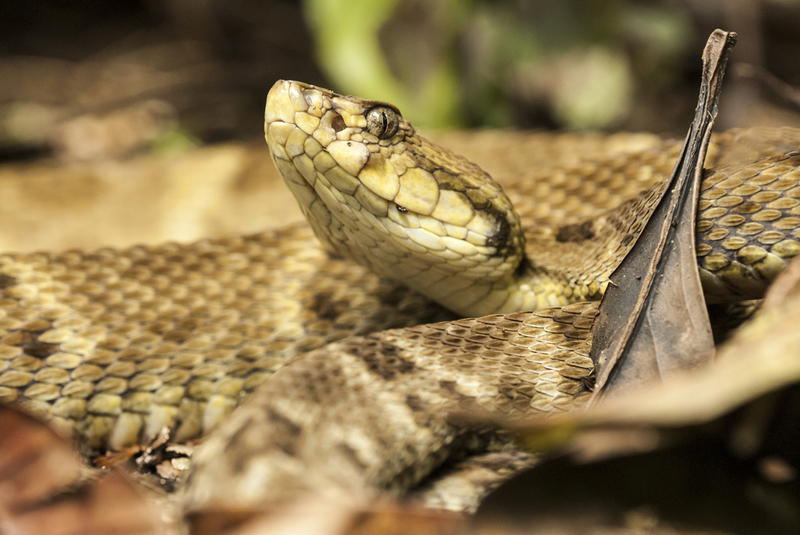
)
(376, 192)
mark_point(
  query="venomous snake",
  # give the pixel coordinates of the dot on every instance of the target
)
(113, 345)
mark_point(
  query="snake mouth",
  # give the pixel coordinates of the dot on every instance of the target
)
(376, 192)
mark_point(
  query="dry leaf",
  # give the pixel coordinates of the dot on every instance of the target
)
(44, 489)
(653, 319)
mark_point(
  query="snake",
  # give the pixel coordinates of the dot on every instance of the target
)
(343, 333)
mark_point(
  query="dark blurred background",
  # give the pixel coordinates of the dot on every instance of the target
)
(84, 79)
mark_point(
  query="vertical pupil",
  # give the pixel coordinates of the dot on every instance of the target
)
(382, 122)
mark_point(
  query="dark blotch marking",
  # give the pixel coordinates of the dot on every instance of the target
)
(402, 209)
(237, 436)
(338, 124)
(324, 306)
(351, 454)
(448, 181)
(239, 461)
(286, 432)
(40, 349)
(523, 266)
(383, 361)
(415, 403)
(283, 435)
(6, 281)
(575, 233)
(449, 386)
(478, 200)
(502, 229)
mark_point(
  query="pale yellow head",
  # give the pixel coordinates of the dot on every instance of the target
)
(376, 192)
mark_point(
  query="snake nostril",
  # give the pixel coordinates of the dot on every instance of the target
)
(338, 124)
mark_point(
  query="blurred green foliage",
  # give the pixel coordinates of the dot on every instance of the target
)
(348, 45)
(175, 140)
(456, 63)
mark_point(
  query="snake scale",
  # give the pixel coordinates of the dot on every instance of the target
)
(112, 345)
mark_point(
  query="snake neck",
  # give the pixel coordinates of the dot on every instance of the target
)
(528, 287)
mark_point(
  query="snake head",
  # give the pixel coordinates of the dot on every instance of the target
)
(376, 192)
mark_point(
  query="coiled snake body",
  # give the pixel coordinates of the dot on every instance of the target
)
(115, 344)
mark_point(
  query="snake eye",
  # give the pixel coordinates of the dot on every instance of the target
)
(382, 122)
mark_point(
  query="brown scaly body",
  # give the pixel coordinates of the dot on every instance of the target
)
(374, 412)
(114, 344)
